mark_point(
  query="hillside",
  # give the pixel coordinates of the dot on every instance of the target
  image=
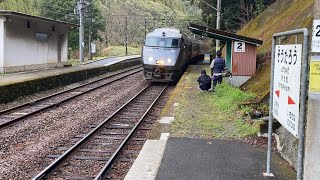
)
(111, 16)
(283, 15)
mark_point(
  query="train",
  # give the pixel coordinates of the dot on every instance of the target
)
(166, 54)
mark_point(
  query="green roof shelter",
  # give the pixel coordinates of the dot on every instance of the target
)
(240, 52)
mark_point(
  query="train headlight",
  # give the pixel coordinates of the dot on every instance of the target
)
(150, 59)
(169, 60)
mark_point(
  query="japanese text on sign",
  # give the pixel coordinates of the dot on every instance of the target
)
(287, 71)
(314, 85)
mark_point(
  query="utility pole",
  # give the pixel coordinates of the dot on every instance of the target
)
(312, 146)
(90, 30)
(218, 22)
(81, 30)
(126, 35)
(145, 28)
(154, 23)
(218, 9)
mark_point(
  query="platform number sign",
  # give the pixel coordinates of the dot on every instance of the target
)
(286, 95)
(239, 46)
(315, 45)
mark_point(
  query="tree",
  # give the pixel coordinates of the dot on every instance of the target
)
(63, 10)
(235, 13)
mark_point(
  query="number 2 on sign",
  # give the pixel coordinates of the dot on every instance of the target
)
(318, 31)
(240, 46)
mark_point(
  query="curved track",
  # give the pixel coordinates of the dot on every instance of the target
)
(12, 115)
(93, 155)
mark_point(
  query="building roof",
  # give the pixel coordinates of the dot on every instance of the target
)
(27, 16)
(166, 32)
(221, 35)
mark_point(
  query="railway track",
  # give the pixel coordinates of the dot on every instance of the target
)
(15, 114)
(94, 154)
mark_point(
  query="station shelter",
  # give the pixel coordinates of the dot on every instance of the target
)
(240, 52)
(30, 42)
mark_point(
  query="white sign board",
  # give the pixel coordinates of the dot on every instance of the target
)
(239, 46)
(315, 45)
(93, 48)
(286, 95)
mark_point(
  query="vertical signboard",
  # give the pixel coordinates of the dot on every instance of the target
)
(314, 85)
(315, 45)
(93, 48)
(287, 75)
(206, 59)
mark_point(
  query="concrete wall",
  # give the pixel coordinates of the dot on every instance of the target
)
(287, 146)
(25, 51)
(10, 92)
(238, 80)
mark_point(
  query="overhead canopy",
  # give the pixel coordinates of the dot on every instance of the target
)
(8, 13)
(221, 35)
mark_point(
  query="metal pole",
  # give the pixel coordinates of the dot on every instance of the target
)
(145, 28)
(81, 31)
(218, 22)
(126, 35)
(90, 31)
(269, 154)
(303, 108)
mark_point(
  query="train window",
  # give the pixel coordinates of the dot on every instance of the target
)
(154, 42)
(175, 43)
(162, 42)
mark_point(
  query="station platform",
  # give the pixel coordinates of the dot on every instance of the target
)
(168, 156)
(14, 85)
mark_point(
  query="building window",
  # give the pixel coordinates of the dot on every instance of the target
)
(53, 28)
(42, 37)
(28, 25)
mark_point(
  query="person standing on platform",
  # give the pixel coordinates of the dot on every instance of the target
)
(217, 66)
(204, 81)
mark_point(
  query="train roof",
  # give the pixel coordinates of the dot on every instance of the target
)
(166, 32)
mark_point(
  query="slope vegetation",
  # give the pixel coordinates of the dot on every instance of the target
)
(283, 15)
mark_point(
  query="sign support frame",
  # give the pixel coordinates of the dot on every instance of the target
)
(303, 97)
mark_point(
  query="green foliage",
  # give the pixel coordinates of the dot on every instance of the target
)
(62, 10)
(119, 51)
(228, 97)
(234, 13)
(109, 27)
(29, 7)
(208, 114)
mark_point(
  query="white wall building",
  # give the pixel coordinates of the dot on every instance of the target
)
(31, 42)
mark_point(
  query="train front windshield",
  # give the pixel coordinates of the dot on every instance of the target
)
(162, 42)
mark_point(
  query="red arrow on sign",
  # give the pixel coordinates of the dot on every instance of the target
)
(290, 101)
(278, 93)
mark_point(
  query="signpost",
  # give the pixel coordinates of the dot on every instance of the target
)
(288, 91)
(287, 70)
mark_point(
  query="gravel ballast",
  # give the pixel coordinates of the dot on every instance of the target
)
(25, 145)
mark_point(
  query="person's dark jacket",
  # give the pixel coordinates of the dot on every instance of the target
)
(204, 82)
(219, 65)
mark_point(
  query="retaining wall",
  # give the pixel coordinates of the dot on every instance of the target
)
(11, 92)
